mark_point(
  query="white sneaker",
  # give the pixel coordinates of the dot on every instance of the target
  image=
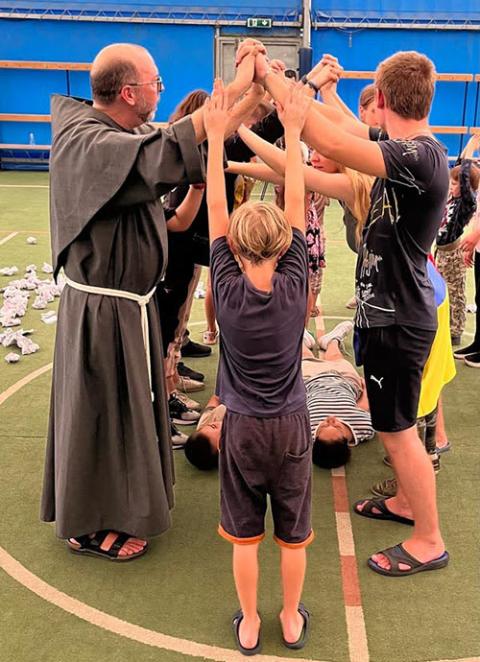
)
(188, 385)
(308, 340)
(189, 402)
(351, 303)
(179, 439)
(338, 333)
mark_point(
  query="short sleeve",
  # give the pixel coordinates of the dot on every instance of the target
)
(411, 163)
(376, 134)
(295, 261)
(222, 263)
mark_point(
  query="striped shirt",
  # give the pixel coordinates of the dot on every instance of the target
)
(333, 394)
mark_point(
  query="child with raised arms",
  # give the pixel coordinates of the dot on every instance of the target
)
(259, 276)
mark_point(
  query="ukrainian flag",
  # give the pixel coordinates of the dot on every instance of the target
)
(440, 366)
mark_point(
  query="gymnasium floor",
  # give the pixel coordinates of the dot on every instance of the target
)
(177, 601)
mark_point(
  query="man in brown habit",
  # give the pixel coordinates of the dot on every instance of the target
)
(109, 474)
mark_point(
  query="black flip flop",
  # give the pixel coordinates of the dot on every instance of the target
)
(236, 620)
(92, 546)
(398, 554)
(303, 638)
(384, 514)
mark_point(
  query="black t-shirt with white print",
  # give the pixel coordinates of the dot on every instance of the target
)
(392, 285)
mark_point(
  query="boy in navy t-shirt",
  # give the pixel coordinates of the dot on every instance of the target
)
(260, 287)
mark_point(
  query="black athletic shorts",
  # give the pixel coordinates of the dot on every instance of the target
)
(260, 457)
(393, 359)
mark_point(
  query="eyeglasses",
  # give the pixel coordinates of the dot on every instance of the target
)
(158, 82)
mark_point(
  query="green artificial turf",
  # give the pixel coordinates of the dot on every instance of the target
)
(183, 586)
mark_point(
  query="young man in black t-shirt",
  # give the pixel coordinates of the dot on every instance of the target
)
(396, 316)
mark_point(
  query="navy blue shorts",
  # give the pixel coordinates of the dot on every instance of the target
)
(260, 457)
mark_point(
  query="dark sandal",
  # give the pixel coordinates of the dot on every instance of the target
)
(236, 620)
(398, 554)
(302, 640)
(384, 514)
(92, 546)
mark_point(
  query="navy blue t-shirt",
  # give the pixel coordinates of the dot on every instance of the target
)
(261, 333)
(392, 284)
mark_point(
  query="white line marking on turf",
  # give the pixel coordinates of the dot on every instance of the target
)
(11, 390)
(357, 637)
(50, 594)
(10, 236)
(346, 545)
(118, 626)
(23, 186)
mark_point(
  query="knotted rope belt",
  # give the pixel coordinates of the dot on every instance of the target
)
(141, 299)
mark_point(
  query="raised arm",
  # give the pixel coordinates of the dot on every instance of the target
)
(471, 147)
(336, 186)
(216, 119)
(293, 115)
(241, 83)
(187, 210)
(256, 171)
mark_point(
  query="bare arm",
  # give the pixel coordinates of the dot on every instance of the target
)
(233, 92)
(186, 210)
(293, 118)
(216, 121)
(471, 147)
(336, 186)
(331, 97)
(256, 171)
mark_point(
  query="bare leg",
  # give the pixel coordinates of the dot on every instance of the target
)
(245, 572)
(333, 352)
(209, 307)
(416, 494)
(442, 439)
(293, 567)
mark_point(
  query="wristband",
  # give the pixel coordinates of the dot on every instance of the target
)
(305, 81)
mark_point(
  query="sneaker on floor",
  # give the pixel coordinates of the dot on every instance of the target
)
(189, 402)
(385, 488)
(308, 340)
(462, 353)
(339, 332)
(473, 360)
(351, 303)
(184, 371)
(210, 337)
(180, 413)
(195, 350)
(188, 385)
(178, 438)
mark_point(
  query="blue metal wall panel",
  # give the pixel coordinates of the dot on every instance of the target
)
(184, 55)
(452, 52)
(398, 9)
(279, 9)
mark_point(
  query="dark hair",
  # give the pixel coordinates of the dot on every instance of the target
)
(188, 105)
(199, 451)
(108, 81)
(331, 454)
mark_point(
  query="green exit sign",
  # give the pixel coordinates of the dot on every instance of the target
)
(259, 22)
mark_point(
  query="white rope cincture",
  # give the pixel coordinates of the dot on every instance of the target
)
(141, 299)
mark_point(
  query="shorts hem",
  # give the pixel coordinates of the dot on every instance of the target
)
(295, 545)
(396, 429)
(239, 541)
